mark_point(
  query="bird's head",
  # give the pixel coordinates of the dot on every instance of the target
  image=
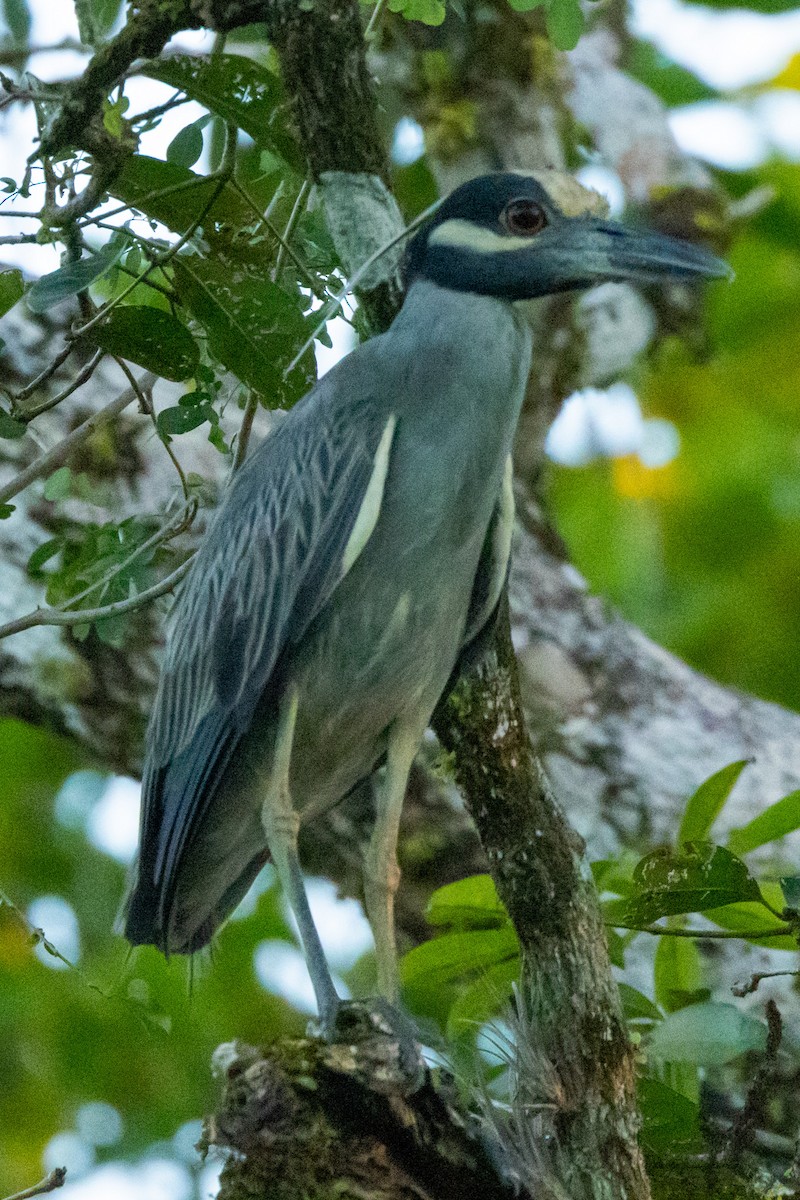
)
(518, 236)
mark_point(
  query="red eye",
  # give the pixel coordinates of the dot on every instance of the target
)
(524, 218)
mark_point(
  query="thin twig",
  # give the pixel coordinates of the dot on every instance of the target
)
(328, 311)
(146, 405)
(151, 113)
(702, 934)
(747, 989)
(85, 373)
(87, 616)
(370, 32)
(245, 430)
(55, 457)
(49, 1184)
(743, 1128)
(44, 375)
(156, 194)
(265, 220)
(151, 283)
(294, 217)
(159, 260)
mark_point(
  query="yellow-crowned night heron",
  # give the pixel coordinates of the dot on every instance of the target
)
(357, 552)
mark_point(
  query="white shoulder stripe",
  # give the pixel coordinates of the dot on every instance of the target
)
(370, 508)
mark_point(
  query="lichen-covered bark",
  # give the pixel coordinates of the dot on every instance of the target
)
(359, 1119)
(576, 1077)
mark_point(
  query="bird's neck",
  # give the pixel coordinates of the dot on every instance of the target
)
(475, 351)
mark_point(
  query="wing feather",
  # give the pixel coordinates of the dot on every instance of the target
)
(269, 563)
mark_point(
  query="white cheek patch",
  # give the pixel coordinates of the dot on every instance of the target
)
(466, 236)
(370, 508)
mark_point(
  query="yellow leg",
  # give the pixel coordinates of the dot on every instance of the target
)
(281, 824)
(381, 870)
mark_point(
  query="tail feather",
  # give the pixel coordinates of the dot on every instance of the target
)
(201, 844)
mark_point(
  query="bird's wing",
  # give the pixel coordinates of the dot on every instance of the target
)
(295, 519)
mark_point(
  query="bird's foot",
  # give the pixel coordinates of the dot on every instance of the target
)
(358, 1021)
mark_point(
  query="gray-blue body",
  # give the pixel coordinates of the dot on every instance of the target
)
(453, 373)
(357, 553)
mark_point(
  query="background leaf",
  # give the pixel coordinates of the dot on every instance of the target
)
(780, 819)
(72, 278)
(703, 808)
(471, 903)
(239, 90)
(11, 289)
(708, 1035)
(149, 337)
(702, 876)
(254, 327)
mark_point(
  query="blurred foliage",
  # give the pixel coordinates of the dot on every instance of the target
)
(123, 1027)
(703, 553)
(465, 978)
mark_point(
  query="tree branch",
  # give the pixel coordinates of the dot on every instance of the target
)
(59, 453)
(352, 1119)
(54, 1180)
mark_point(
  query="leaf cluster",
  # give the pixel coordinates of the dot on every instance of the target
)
(464, 978)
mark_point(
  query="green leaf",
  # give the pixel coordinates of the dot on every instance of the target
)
(564, 21)
(183, 419)
(149, 337)
(636, 1006)
(17, 16)
(73, 278)
(239, 90)
(525, 5)
(703, 808)
(485, 998)
(96, 19)
(616, 948)
(175, 195)
(775, 822)
(670, 1122)
(767, 7)
(471, 903)
(677, 971)
(6, 510)
(9, 428)
(790, 886)
(615, 875)
(254, 327)
(435, 973)
(11, 289)
(187, 145)
(58, 484)
(114, 116)
(739, 918)
(429, 12)
(41, 555)
(702, 876)
(708, 1035)
(673, 84)
(454, 955)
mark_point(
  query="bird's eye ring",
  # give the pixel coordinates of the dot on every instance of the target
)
(523, 217)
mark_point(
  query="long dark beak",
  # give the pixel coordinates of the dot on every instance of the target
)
(579, 253)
